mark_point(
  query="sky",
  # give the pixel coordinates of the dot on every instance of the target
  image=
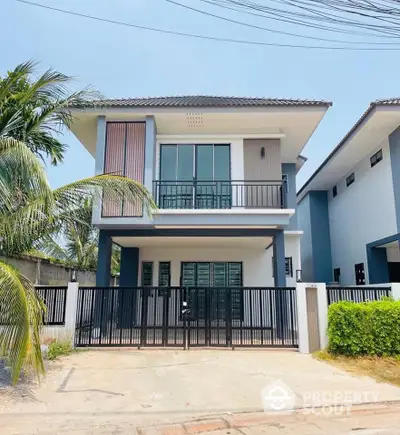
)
(126, 62)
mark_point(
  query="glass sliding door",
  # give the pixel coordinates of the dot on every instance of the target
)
(195, 176)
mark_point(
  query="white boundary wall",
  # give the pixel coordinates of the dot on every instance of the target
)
(67, 331)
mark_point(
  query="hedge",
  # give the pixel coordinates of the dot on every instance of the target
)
(368, 328)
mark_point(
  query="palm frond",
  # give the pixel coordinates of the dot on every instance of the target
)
(20, 168)
(21, 314)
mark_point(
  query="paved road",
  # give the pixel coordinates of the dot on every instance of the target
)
(100, 392)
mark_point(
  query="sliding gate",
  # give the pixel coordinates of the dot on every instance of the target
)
(186, 317)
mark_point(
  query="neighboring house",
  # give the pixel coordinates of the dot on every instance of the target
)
(222, 171)
(349, 209)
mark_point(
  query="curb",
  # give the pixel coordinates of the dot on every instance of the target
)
(248, 419)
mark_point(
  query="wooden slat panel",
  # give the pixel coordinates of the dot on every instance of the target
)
(114, 164)
(134, 164)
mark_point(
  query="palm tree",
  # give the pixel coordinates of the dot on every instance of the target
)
(43, 105)
(30, 211)
(77, 244)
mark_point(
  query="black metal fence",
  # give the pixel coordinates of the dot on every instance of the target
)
(186, 317)
(55, 299)
(356, 294)
(219, 194)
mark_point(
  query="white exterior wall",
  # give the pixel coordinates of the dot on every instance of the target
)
(361, 213)
(393, 255)
(257, 262)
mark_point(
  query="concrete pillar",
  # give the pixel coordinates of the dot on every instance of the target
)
(279, 259)
(302, 315)
(129, 270)
(395, 290)
(150, 151)
(71, 305)
(103, 260)
(378, 271)
(129, 273)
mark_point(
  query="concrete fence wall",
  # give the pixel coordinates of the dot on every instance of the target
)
(319, 314)
(44, 272)
(66, 331)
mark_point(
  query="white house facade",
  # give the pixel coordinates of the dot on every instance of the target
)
(349, 209)
(222, 172)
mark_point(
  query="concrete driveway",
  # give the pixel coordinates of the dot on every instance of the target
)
(90, 390)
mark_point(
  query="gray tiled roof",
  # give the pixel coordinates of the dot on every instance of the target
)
(386, 102)
(208, 101)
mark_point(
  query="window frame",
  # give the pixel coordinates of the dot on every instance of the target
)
(350, 179)
(376, 158)
(151, 263)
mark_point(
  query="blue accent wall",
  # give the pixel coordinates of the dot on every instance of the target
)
(316, 255)
(129, 271)
(378, 270)
(321, 239)
(304, 219)
(103, 260)
(394, 146)
(289, 169)
(279, 259)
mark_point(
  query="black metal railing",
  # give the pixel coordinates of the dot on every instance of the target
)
(55, 299)
(356, 294)
(173, 194)
(186, 316)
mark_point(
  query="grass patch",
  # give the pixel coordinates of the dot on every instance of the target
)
(59, 348)
(383, 369)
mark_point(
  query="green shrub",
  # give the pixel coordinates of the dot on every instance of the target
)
(369, 328)
(59, 348)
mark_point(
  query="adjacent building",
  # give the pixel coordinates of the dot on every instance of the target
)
(349, 209)
(222, 171)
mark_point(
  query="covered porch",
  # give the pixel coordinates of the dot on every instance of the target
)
(209, 257)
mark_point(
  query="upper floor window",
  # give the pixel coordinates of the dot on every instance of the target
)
(376, 158)
(334, 191)
(350, 179)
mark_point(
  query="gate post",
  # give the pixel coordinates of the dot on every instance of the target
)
(70, 309)
(312, 315)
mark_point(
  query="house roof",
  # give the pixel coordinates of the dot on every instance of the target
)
(206, 101)
(356, 127)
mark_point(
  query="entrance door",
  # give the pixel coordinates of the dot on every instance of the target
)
(394, 272)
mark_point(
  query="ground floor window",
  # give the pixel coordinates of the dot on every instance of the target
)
(213, 274)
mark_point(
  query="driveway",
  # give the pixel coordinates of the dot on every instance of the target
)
(89, 390)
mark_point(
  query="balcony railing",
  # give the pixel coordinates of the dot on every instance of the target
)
(173, 194)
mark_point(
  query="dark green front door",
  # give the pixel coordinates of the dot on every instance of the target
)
(213, 289)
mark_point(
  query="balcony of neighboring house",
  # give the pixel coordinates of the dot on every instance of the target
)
(220, 194)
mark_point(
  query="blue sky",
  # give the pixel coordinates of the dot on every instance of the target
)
(125, 62)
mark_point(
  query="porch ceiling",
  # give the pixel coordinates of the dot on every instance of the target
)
(195, 242)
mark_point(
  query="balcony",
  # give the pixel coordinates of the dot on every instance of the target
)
(219, 194)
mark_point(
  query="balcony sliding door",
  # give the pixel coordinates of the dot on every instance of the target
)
(194, 176)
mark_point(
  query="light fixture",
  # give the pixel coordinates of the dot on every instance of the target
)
(298, 275)
(262, 152)
(73, 276)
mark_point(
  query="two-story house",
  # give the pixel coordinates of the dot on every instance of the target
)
(349, 209)
(222, 171)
